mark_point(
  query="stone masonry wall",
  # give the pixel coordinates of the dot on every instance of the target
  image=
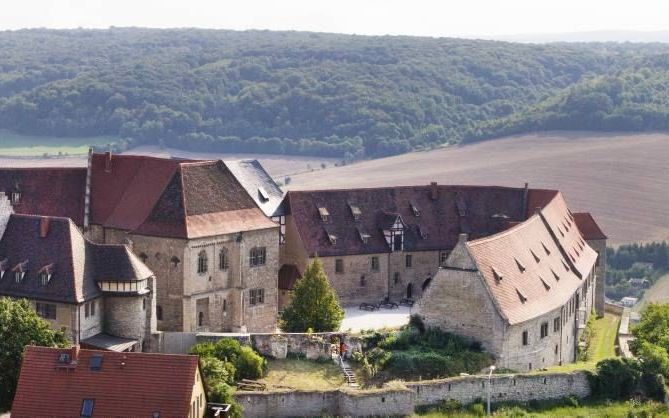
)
(600, 271)
(402, 402)
(349, 286)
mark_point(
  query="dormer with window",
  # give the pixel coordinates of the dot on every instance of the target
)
(15, 195)
(355, 211)
(422, 232)
(262, 195)
(45, 273)
(332, 238)
(20, 271)
(324, 214)
(394, 232)
(364, 236)
(414, 210)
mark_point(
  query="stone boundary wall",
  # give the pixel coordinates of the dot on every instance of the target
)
(403, 401)
(613, 309)
(624, 334)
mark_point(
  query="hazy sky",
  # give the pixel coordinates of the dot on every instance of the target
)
(378, 17)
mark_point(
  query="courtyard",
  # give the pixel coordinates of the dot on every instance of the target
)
(356, 320)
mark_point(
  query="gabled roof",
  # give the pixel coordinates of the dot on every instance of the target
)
(588, 226)
(47, 191)
(127, 384)
(258, 184)
(537, 274)
(443, 213)
(75, 262)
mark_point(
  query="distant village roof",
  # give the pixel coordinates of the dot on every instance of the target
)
(46, 191)
(120, 384)
(433, 215)
(57, 263)
(535, 266)
(258, 184)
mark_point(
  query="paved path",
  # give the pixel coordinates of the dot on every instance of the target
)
(356, 319)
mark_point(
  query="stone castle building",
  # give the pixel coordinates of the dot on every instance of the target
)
(390, 242)
(213, 250)
(526, 292)
(101, 295)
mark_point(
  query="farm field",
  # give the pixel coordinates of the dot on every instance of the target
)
(621, 178)
(15, 145)
(658, 293)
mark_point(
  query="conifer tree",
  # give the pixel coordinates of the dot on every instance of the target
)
(314, 305)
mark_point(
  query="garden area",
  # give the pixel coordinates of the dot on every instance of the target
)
(302, 374)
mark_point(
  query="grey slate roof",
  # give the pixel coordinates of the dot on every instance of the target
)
(259, 185)
(76, 264)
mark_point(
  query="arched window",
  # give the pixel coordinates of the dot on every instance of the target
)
(223, 262)
(202, 266)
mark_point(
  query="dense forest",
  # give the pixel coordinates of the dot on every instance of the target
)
(633, 268)
(319, 94)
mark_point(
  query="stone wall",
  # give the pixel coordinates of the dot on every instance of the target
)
(402, 401)
(600, 272)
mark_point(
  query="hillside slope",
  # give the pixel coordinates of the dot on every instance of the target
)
(315, 94)
(621, 179)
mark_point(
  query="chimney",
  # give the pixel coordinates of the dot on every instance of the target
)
(108, 162)
(434, 191)
(44, 225)
(462, 238)
(524, 208)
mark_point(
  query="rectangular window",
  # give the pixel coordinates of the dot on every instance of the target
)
(544, 330)
(87, 310)
(442, 257)
(87, 408)
(375, 264)
(339, 265)
(363, 281)
(92, 308)
(46, 310)
(257, 256)
(256, 296)
(525, 340)
(408, 261)
(597, 259)
(556, 324)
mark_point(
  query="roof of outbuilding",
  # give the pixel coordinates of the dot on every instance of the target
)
(259, 185)
(588, 226)
(47, 191)
(535, 266)
(433, 216)
(75, 263)
(127, 384)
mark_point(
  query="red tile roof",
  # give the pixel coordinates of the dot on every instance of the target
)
(127, 385)
(529, 268)
(588, 226)
(441, 214)
(47, 191)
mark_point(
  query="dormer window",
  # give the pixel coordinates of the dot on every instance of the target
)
(4, 264)
(44, 278)
(364, 236)
(536, 258)
(422, 232)
(332, 238)
(564, 264)
(521, 296)
(546, 285)
(355, 211)
(323, 212)
(15, 197)
(20, 271)
(18, 276)
(415, 210)
(546, 250)
(520, 265)
(497, 275)
(555, 275)
(262, 195)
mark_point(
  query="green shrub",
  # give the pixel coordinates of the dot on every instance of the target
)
(203, 350)
(222, 393)
(477, 409)
(227, 349)
(615, 378)
(450, 405)
(249, 364)
(215, 370)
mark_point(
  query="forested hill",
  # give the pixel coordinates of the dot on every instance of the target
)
(321, 94)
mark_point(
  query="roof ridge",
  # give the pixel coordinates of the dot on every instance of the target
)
(409, 187)
(511, 230)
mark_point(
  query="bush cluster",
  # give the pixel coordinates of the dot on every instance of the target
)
(225, 362)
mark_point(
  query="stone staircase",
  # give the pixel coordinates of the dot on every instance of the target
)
(346, 370)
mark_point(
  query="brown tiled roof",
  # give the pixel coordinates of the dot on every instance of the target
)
(527, 268)
(127, 384)
(442, 213)
(75, 263)
(588, 227)
(203, 199)
(47, 191)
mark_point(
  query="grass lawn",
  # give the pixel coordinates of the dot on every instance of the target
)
(15, 145)
(602, 345)
(303, 374)
(587, 409)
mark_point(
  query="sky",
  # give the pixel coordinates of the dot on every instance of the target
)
(463, 18)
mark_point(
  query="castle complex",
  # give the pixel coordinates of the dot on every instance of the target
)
(511, 267)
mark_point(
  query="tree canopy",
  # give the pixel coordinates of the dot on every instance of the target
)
(20, 326)
(314, 305)
(318, 94)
